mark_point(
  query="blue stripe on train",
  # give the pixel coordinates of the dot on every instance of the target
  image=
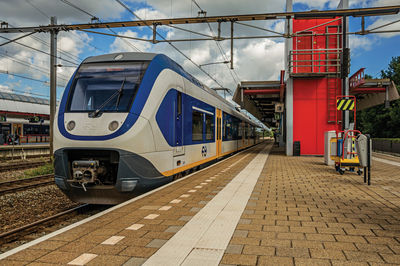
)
(167, 113)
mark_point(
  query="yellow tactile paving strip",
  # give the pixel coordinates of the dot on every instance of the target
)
(134, 232)
(302, 212)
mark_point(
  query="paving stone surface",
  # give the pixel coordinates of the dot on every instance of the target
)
(300, 212)
(307, 214)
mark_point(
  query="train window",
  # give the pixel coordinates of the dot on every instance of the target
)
(197, 125)
(110, 87)
(179, 103)
(209, 127)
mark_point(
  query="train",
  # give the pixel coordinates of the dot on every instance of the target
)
(130, 122)
(21, 131)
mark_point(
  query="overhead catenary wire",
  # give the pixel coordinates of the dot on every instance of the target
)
(237, 79)
(37, 9)
(176, 48)
(94, 17)
(16, 39)
(48, 17)
(30, 65)
(45, 82)
(38, 50)
(65, 53)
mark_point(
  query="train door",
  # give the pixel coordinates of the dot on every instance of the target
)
(17, 129)
(179, 149)
(219, 132)
(242, 132)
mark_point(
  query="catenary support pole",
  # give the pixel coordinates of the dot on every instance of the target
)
(232, 44)
(53, 81)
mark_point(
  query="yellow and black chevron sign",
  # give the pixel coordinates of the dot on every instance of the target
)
(345, 104)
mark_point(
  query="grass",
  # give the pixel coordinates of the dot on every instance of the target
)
(41, 170)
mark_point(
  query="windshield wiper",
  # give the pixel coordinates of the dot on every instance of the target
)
(118, 92)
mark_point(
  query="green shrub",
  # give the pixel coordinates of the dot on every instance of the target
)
(41, 170)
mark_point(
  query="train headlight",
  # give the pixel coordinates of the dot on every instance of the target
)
(71, 125)
(113, 125)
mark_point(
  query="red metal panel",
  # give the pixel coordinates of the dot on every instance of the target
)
(310, 114)
(304, 114)
(261, 91)
(304, 57)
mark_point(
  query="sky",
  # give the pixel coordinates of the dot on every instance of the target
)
(255, 59)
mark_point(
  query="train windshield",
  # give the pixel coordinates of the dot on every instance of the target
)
(106, 87)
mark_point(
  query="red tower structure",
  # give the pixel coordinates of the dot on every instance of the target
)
(315, 66)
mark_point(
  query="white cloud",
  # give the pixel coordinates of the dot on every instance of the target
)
(128, 45)
(5, 88)
(361, 43)
(148, 13)
(28, 90)
(318, 4)
(384, 20)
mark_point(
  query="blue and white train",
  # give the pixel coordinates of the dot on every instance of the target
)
(128, 122)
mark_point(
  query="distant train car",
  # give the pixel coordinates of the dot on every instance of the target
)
(128, 122)
(22, 131)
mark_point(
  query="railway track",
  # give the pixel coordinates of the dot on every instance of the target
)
(23, 184)
(28, 229)
(21, 165)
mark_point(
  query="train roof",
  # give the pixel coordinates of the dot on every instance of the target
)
(18, 103)
(23, 98)
(129, 56)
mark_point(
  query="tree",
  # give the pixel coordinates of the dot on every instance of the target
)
(378, 121)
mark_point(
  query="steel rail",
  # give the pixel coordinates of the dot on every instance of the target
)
(23, 165)
(39, 222)
(23, 184)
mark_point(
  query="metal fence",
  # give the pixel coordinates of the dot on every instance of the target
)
(386, 145)
(323, 61)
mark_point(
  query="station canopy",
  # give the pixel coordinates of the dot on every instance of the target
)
(259, 98)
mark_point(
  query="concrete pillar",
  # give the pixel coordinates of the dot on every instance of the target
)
(289, 84)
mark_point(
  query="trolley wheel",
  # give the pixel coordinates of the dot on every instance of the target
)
(359, 172)
(341, 171)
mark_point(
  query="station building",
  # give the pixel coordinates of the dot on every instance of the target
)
(302, 105)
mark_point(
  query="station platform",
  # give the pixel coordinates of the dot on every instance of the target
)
(256, 207)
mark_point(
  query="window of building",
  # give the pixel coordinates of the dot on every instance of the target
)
(197, 125)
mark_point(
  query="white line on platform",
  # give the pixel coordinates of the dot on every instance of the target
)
(175, 201)
(151, 216)
(135, 227)
(112, 240)
(203, 240)
(82, 259)
(165, 208)
(91, 218)
(386, 161)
